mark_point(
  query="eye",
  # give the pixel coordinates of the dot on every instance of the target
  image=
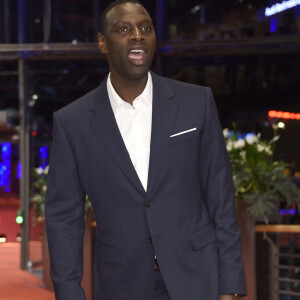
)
(146, 28)
(122, 29)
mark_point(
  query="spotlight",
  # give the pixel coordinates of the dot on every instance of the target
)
(2, 238)
(19, 218)
(19, 238)
(195, 9)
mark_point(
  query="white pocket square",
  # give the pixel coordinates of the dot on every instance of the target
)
(183, 132)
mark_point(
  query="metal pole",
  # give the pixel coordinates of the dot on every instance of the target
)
(24, 137)
(7, 18)
(21, 22)
(96, 18)
(160, 20)
(273, 268)
(24, 159)
(46, 20)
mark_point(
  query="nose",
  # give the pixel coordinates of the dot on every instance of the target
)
(136, 34)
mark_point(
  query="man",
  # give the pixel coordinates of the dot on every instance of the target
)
(150, 153)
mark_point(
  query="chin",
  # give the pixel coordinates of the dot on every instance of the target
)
(138, 74)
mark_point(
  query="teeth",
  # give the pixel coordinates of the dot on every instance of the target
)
(137, 51)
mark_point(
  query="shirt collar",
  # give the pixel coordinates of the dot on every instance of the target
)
(116, 100)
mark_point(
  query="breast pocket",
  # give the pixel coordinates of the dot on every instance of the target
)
(182, 136)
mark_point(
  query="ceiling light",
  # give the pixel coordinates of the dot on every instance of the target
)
(195, 9)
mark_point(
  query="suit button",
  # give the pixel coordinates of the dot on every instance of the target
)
(148, 204)
(149, 239)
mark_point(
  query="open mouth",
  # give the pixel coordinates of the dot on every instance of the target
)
(137, 57)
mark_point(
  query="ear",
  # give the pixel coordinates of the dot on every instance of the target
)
(102, 43)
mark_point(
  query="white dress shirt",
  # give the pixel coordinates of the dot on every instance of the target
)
(134, 122)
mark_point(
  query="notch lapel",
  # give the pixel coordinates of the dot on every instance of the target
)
(163, 116)
(104, 125)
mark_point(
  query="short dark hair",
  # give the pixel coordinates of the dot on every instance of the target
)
(102, 20)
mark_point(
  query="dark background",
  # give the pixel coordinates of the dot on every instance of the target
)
(251, 62)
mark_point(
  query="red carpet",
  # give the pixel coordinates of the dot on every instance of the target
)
(16, 284)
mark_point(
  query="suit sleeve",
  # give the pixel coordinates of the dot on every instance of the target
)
(217, 185)
(65, 211)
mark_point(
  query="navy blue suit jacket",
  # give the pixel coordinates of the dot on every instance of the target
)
(188, 209)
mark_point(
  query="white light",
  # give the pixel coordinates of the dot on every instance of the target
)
(195, 9)
(31, 103)
(279, 7)
(15, 137)
(281, 125)
(2, 239)
(74, 42)
(35, 97)
(29, 264)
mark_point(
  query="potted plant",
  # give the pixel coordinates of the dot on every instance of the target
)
(38, 190)
(260, 184)
(38, 194)
(259, 180)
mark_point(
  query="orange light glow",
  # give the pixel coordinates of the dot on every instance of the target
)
(283, 115)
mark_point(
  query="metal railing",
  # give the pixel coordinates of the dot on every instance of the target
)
(284, 260)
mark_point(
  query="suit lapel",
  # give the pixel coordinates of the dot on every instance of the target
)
(104, 125)
(163, 116)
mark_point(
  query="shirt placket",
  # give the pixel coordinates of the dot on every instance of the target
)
(138, 140)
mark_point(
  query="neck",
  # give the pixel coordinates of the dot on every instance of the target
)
(128, 89)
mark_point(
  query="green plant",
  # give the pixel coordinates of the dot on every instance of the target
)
(38, 191)
(259, 181)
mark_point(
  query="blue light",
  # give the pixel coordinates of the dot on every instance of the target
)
(19, 170)
(250, 135)
(288, 211)
(5, 167)
(166, 48)
(273, 25)
(43, 157)
(241, 135)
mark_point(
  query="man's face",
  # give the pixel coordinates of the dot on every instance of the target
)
(129, 41)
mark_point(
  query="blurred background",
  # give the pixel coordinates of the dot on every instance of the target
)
(247, 51)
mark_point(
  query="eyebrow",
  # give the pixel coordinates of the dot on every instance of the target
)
(128, 22)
